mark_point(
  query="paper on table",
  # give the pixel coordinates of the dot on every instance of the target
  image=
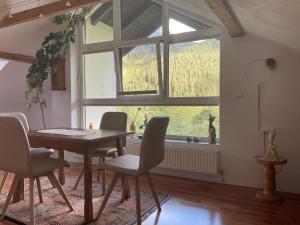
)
(67, 132)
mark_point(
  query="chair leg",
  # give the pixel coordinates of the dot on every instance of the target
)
(108, 193)
(53, 178)
(153, 191)
(125, 185)
(38, 184)
(53, 186)
(103, 177)
(3, 181)
(138, 201)
(98, 169)
(78, 180)
(31, 202)
(10, 194)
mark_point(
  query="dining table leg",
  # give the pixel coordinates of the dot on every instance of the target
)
(88, 192)
(61, 171)
(120, 150)
(19, 192)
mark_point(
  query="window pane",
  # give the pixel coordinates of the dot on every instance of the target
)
(139, 68)
(181, 24)
(99, 25)
(196, 124)
(93, 114)
(100, 78)
(194, 68)
(140, 19)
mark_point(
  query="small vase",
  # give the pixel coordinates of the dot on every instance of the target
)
(132, 127)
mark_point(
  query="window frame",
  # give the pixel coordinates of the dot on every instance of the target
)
(163, 98)
(156, 42)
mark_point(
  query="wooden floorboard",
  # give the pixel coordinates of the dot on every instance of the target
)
(204, 203)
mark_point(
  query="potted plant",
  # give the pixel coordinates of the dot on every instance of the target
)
(53, 49)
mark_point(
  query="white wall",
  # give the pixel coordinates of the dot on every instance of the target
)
(23, 39)
(240, 140)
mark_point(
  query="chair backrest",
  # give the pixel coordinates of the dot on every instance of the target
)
(114, 121)
(19, 116)
(152, 150)
(14, 146)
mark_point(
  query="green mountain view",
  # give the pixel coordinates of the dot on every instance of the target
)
(194, 72)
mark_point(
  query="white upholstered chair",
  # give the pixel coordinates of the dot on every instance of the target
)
(35, 152)
(109, 121)
(15, 158)
(152, 153)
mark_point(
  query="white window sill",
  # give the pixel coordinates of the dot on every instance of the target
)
(180, 144)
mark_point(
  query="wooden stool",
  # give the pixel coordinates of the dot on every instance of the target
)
(269, 193)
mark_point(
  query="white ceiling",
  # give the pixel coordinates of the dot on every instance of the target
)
(276, 20)
(25, 38)
(15, 6)
(3, 10)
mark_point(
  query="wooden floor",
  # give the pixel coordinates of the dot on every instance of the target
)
(203, 203)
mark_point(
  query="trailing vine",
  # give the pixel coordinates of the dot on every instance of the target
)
(54, 47)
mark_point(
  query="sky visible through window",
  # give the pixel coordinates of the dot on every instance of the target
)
(177, 27)
(3, 63)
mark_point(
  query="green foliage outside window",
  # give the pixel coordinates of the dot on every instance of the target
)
(194, 72)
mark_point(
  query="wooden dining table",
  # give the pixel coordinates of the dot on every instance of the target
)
(83, 145)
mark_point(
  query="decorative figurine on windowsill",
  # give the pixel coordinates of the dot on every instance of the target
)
(271, 151)
(211, 130)
(196, 139)
(133, 126)
(189, 139)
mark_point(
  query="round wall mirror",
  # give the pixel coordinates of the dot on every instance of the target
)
(258, 72)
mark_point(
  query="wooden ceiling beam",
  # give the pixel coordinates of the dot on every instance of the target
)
(50, 9)
(223, 11)
(16, 57)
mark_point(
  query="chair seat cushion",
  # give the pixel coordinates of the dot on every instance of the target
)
(42, 166)
(126, 164)
(41, 152)
(102, 152)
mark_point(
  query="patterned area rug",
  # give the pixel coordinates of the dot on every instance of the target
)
(54, 211)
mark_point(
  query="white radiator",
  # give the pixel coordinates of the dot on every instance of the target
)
(204, 160)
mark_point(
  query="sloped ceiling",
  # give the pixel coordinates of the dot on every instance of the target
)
(276, 20)
(3, 10)
(196, 7)
(26, 38)
(15, 6)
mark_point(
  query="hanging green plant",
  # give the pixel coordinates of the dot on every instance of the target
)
(53, 48)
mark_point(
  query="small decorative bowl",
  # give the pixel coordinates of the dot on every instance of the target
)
(196, 139)
(189, 139)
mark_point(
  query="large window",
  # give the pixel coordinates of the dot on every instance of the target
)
(195, 124)
(194, 68)
(140, 70)
(100, 67)
(99, 28)
(140, 19)
(143, 54)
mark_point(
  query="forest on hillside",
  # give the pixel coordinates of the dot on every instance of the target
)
(194, 72)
